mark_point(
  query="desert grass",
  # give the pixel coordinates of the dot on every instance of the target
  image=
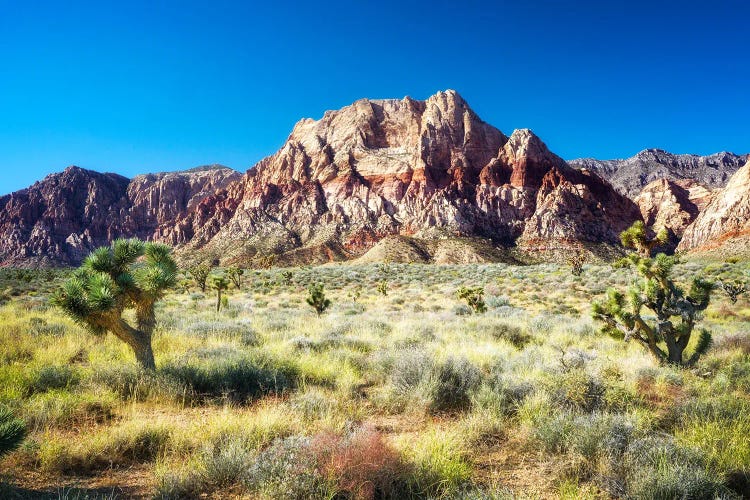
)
(406, 394)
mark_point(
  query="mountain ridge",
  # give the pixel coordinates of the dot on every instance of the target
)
(377, 168)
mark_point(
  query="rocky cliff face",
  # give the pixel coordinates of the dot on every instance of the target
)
(631, 175)
(672, 205)
(424, 168)
(725, 221)
(60, 219)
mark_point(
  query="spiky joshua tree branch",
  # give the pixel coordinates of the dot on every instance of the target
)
(130, 274)
(674, 317)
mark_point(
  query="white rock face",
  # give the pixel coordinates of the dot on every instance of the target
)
(725, 218)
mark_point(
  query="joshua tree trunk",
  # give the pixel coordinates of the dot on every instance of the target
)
(139, 341)
(218, 299)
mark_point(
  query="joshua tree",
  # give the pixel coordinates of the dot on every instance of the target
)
(474, 297)
(287, 277)
(317, 298)
(733, 289)
(383, 287)
(235, 274)
(576, 263)
(219, 283)
(675, 311)
(12, 431)
(200, 274)
(130, 274)
(636, 237)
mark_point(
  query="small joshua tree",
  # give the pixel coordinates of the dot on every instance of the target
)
(220, 284)
(130, 274)
(235, 274)
(287, 277)
(636, 237)
(383, 287)
(576, 263)
(317, 298)
(474, 297)
(200, 274)
(12, 431)
(733, 289)
(355, 294)
(676, 312)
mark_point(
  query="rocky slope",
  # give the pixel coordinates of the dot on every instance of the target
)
(725, 221)
(63, 217)
(672, 205)
(631, 175)
(429, 169)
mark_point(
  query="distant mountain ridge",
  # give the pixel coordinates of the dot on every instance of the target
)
(358, 181)
(629, 176)
(61, 218)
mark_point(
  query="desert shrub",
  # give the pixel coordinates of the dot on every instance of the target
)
(287, 470)
(228, 373)
(554, 433)
(130, 382)
(177, 484)
(62, 408)
(451, 384)
(503, 393)
(42, 328)
(510, 333)
(438, 463)
(50, 377)
(224, 462)
(360, 465)
(656, 467)
(131, 443)
(462, 310)
(576, 390)
(312, 404)
(409, 368)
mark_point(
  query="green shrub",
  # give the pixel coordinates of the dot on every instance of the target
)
(655, 467)
(226, 373)
(510, 333)
(451, 384)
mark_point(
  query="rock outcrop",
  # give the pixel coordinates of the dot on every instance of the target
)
(429, 169)
(60, 219)
(725, 221)
(631, 175)
(672, 205)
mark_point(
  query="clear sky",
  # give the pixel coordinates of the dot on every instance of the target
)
(143, 86)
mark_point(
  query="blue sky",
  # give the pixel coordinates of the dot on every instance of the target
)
(142, 86)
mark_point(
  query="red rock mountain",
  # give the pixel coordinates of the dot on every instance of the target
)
(725, 221)
(60, 219)
(428, 169)
(425, 169)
